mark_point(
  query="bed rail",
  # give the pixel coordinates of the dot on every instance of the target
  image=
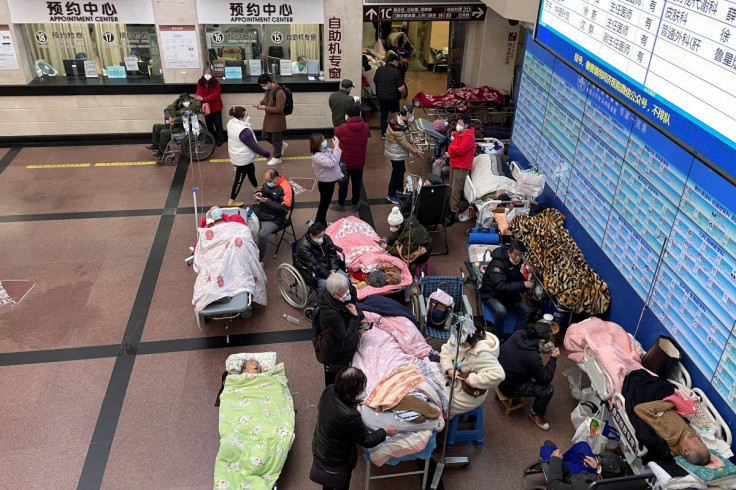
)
(625, 429)
(599, 377)
(725, 431)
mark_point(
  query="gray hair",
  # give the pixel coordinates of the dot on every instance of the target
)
(336, 283)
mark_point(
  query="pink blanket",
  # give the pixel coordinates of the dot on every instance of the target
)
(358, 241)
(456, 98)
(610, 343)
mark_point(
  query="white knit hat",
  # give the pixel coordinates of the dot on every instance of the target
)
(395, 218)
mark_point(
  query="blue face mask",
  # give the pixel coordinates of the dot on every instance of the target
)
(270, 184)
(301, 67)
(324, 144)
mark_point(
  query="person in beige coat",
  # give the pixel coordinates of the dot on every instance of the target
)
(480, 370)
(274, 119)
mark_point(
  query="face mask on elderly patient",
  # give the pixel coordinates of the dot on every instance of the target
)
(345, 297)
(186, 104)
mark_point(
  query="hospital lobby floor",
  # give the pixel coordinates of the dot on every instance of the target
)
(106, 380)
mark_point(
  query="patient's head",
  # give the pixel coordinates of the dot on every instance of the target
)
(252, 366)
(213, 215)
(611, 465)
(694, 450)
(350, 383)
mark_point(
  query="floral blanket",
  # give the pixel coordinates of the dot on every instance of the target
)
(358, 240)
(456, 98)
(256, 430)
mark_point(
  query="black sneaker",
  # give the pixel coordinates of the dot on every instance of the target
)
(151, 147)
(158, 155)
(450, 219)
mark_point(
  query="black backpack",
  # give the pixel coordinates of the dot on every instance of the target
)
(289, 106)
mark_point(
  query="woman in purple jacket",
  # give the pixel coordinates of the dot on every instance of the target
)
(326, 163)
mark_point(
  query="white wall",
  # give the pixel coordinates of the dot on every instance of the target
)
(484, 60)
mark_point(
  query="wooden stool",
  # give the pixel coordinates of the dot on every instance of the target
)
(510, 404)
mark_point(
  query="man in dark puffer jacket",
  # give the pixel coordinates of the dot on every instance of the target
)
(339, 425)
(503, 282)
(389, 89)
(316, 252)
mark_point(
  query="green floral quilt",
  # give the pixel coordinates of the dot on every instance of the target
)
(256, 430)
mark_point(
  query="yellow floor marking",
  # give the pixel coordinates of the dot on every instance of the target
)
(60, 165)
(226, 160)
(118, 164)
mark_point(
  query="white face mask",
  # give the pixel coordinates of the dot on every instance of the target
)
(265, 87)
(208, 77)
(346, 117)
(319, 240)
(247, 120)
(411, 119)
(185, 104)
(394, 228)
(345, 297)
(459, 128)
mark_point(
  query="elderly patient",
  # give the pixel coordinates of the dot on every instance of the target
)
(252, 366)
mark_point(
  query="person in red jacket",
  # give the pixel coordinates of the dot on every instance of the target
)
(208, 91)
(353, 135)
(461, 152)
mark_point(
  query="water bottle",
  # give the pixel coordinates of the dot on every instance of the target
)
(195, 124)
(291, 319)
(185, 120)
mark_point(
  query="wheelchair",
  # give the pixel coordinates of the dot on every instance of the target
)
(197, 147)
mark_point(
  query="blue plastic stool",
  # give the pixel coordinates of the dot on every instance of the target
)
(454, 435)
(509, 323)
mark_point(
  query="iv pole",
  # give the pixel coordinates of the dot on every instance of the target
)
(443, 460)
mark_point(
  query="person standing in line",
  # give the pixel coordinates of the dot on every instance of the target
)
(326, 164)
(461, 152)
(339, 428)
(243, 148)
(274, 120)
(390, 87)
(353, 135)
(340, 101)
(208, 92)
(397, 148)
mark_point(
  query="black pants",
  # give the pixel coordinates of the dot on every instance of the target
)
(346, 486)
(276, 139)
(542, 394)
(356, 176)
(240, 172)
(329, 376)
(214, 126)
(160, 136)
(326, 190)
(396, 182)
(387, 106)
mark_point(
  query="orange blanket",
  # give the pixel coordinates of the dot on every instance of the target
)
(389, 392)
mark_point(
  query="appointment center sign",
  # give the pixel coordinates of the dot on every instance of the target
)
(83, 11)
(261, 12)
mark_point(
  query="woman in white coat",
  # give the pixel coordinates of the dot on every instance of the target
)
(243, 148)
(480, 370)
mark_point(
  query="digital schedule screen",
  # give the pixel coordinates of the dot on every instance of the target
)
(673, 62)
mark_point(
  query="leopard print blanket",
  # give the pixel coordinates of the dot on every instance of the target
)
(566, 274)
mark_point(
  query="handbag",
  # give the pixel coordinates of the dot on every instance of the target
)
(206, 109)
(662, 357)
(328, 476)
(529, 181)
(439, 307)
(475, 392)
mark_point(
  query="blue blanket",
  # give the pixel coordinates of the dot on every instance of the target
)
(384, 306)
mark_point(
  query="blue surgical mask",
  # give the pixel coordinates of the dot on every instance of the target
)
(411, 119)
(270, 184)
(217, 213)
(301, 67)
(324, 144)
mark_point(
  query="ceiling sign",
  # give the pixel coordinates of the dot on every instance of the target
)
(383, 13)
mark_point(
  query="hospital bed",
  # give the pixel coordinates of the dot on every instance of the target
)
(483, 103)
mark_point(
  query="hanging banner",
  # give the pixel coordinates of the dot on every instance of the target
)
(261, 12)
(81, 12)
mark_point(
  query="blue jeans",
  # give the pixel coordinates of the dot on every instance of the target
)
(499, 312)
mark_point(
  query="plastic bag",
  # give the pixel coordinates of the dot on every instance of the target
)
(598, 433)
(574, 377)
(583, 411)
(529, 181)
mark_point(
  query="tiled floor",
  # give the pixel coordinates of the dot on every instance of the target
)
(106, 379)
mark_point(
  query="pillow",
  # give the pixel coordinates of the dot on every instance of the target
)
(235, 363)
(709, 475)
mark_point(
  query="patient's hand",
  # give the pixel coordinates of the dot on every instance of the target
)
(437, 161)
(555, 352)
(557, 454)
(391, 430)
(590, 462)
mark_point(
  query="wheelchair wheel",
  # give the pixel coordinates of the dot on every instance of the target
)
(202, 146)
(292, 286)
(308, 312)
(414, 307)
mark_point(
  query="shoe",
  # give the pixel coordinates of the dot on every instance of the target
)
(158, 155)
(355, 208)
(393, 199)
(310, 223)
(284, 146)
(219, 143)
(235, 204)
(151, 147)
(336, 207)
(383, 136)
(450, 219)
(549, 443)
(539, 420)
(274, 161)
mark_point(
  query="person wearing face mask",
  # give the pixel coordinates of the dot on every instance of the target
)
(161, 133)
(208, 92)
(315, 252)
(339, 428)
(409, 240)
(339, 322)
(299, 66)
(275, 199)
(398, 147)
(243, 148)
(353, 135)
(503, 282)
(526, 373)
(326, 164)
(390, 87)
(274, 119)
(340, 101)
(460, 152)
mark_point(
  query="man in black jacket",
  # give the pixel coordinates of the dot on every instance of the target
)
(316, 252)
(389, 89)
(503, 283)
(607, 465)
(526, 374)
(275, 199)
(339, 425)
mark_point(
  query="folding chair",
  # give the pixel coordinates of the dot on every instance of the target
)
(283, 229)
(454, 287)
(433, 204)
